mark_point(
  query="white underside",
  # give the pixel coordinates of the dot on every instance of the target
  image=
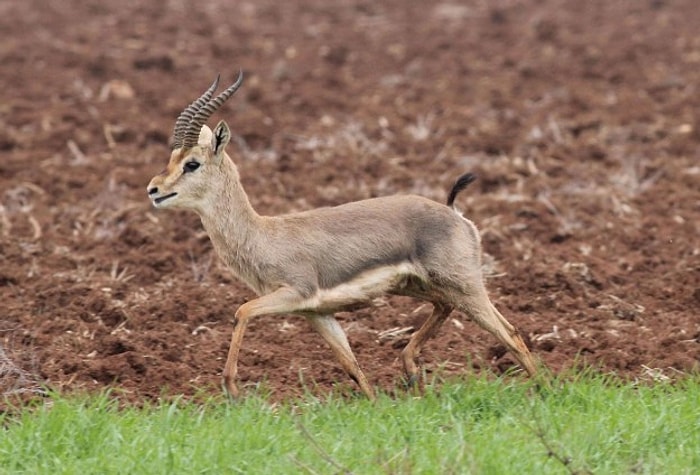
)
(364, 287)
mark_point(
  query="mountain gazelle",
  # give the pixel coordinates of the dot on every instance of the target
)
(318, 262)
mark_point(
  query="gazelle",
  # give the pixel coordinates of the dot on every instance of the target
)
(318, 262)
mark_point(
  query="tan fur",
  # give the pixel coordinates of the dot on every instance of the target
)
(321, 261)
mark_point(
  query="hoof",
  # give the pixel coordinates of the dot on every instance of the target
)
(412, 381)
(230, 390)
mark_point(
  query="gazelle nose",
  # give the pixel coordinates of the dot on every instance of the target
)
(153, 191)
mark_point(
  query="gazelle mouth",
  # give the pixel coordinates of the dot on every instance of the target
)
(159, 200)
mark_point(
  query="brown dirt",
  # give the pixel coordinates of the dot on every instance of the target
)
(580, 118)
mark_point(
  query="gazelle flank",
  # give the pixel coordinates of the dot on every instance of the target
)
(318, 262)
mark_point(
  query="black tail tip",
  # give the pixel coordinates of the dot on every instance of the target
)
(465, 179)
(461, 183)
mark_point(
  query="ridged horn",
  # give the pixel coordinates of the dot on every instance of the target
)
(186, 116)
(204, 112)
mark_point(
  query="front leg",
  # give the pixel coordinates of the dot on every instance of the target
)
(282, 300)
(331, 331)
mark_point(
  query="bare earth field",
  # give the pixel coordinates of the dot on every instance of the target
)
(581, 119)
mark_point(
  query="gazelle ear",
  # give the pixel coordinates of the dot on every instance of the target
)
(219, 139)
(205, 136)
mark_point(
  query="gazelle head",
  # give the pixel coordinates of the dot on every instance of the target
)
(197, 153)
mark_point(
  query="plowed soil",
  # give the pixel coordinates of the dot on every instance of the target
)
(581, 120)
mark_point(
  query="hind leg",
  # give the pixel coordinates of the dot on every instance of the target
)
(479, 308)
(424, 333)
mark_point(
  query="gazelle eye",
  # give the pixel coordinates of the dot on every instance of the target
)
(191, 166)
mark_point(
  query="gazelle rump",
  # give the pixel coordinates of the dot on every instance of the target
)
(318, 262)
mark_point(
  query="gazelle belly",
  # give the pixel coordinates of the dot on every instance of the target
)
(360, 289)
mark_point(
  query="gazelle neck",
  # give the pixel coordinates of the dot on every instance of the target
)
(228, 217)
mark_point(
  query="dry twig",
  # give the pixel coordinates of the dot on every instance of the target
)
(321, 451)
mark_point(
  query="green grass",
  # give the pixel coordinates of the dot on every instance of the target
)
(589, 423)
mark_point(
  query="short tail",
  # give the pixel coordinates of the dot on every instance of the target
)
(461, 183)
